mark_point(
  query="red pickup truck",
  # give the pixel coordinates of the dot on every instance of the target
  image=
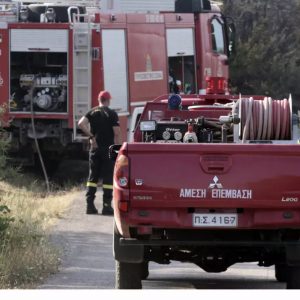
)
(212, 180)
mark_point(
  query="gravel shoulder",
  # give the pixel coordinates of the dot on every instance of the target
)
(85, 242)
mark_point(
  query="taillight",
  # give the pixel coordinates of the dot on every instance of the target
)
(124, 206)
(121, 182)
(215, 85)
(121, 173)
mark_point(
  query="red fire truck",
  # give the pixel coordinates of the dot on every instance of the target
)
(54, 60)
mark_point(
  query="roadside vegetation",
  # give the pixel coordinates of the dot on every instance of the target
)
(26, 255)
(27, 214)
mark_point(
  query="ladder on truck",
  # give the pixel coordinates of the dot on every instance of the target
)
(82, 67)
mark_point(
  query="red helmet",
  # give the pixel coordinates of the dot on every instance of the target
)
(105, 95)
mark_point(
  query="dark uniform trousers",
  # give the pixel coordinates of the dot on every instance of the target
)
(100, 167)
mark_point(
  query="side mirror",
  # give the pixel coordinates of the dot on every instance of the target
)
(113, 152)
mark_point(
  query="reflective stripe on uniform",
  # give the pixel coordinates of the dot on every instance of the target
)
(92, 184)
(108, 186)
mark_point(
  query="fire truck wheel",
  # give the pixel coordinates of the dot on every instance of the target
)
(293, 278)
(128, 275)
(144, 270)
(281, 272)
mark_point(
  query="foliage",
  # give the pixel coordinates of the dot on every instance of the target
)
(267, 59)
(26, 254)
(5, 219)
(3, 144)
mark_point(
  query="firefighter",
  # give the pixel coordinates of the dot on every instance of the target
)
(173, 87)
(102, 126)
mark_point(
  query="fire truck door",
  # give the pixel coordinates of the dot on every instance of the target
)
(181, 58)
(115, 67)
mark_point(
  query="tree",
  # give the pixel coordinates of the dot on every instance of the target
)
(267, 59)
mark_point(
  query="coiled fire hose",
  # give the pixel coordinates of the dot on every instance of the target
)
(264, 119)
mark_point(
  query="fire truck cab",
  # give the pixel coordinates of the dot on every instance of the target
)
(55, 58)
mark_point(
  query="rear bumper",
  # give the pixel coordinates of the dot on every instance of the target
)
(188, 243)
(147, 220)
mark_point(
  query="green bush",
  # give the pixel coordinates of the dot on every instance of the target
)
(3, 142)
(5, 219)
(3, 148)
(5, 170)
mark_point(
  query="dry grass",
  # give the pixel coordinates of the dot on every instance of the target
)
(26, 255)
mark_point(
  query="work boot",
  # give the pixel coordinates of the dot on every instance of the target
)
(91, 209)
(107, 210)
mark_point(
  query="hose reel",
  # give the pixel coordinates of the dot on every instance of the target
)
(265, 120)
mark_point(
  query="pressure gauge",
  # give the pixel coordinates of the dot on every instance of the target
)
(166, 135)
(178, 135)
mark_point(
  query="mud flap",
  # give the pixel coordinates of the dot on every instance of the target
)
(127, 253)
(293, 255)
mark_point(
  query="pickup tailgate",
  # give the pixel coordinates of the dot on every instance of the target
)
(259, 182)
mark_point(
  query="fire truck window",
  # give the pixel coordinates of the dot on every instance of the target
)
(182, 74)
(175, 73)
(217, 36)
(189, 75)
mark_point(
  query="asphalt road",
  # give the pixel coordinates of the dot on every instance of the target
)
(87, 261)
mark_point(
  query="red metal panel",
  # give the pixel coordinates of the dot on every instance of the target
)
(258, 172)
(179, 20)
(97, 68)
(249, 169)
(113, 20)
(39, 26)
(123, 124)
(200, 51)
(4, 69)
(70, 80)
(142, 18)
(147, 61)
(180, 219)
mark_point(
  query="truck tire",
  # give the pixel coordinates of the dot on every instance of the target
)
(144, 270)
(293, 278)
(281, 272)
(128, 275)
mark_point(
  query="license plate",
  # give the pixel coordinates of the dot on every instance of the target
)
(215, 220)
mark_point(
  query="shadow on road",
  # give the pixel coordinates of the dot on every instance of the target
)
(216, 283)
